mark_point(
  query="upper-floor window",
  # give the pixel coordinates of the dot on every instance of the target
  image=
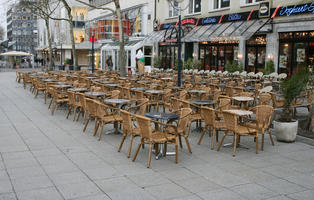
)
(194, 6)
(218, 4)
(252, 1)
(174, 9)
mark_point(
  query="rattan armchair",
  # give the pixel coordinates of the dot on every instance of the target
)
(232, 125)
(58, 98)
(211, 123)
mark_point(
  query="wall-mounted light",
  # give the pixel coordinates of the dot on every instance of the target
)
(240, 56)
(270, 57)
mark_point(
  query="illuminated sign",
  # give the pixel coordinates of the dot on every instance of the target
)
(234, 17)
(296, 9)
(264, 9)
(209, 20)
(187, 21)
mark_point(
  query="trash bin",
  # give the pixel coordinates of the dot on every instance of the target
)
(71, 67)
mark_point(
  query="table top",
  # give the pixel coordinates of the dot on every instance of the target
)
(117, 101)
(90, 77)
(77, 89)
(144, 81)
(155, 91)
(197, 91)
(138, 88)
(162, 115)
(166, 78)
(50, 80)
(202, 102)
(63, 86)
(239, 98)
(112, 84)
(97, 94)
(240, 112)
(175, 87)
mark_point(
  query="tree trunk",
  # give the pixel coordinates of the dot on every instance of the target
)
(50, 68)
(121, 40)
(68, 8)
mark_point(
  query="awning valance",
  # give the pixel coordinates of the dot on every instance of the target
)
(154, 37)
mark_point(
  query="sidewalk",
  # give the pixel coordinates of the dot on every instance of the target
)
(46, 157)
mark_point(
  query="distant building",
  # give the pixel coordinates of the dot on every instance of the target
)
(22, 29)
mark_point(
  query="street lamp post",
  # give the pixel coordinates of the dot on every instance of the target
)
(93, 52)
(90, 29)
(179, 37)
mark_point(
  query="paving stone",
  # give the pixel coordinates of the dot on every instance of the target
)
(8, 196)
(281, 186)
(75, 190)
(69, 178)
(40, 194)
(5, 186)
(253, 191)
(97, 197)
(115, 184)
(221, 194)
(25, 172)
(167, 191)
(126, 194)
(196, 185)
(305, 195)
(31, 183)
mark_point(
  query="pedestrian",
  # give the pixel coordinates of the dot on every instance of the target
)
(109, 64)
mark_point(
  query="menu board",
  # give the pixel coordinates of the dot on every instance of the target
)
(283, 61)
(300, 55)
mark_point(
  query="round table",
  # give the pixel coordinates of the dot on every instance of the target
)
(117, 101)
(77, 89)
(162, 116)
(154, 91)
(63, 86)
(50, 80)
(138, 88)
(240, 112)
(202, 102)
(112, 84)
(243, 100)
(95, 94)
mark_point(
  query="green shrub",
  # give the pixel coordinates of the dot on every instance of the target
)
(233, 67)
(269, 68)
(157, 62)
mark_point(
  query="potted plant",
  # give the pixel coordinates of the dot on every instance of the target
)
(286, 127)
(157, 62)
(233, 67)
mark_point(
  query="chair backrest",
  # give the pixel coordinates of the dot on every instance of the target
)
(82, 99)
(182, 94)
(126, 120)
(175, 104)
(71, 97)
(145, 127)
(91, 106)
(264, 115)
(245, 94)
(184, 119)
(224, 104)
(229, 91)
(143, 106)
(264, 99)
(139, 94)
(208, 114)
(230, 120)
(115, 94)
(95, 89)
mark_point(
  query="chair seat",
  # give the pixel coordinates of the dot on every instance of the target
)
(61, 100)
(243, 130)
(220, 125)
(159, 137)
(195, 116)
(111, 118)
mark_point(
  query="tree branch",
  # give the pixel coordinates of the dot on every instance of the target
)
(95, 7)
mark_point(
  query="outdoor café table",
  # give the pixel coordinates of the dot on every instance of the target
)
(95, 95)
(50, 80)
(154, 91)
(118, 103)
(90, 77)
(166, 78)
(112, 85)
(138, 88)
(77, 89)
(197, 92)
(202, 102)
(163, 117)
(240, 113)
(243, 100)
(143, 81)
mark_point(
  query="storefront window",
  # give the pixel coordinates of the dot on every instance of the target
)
(256, 54)
(295, 51)
(168, 54)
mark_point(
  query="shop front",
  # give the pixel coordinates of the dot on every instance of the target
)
(255, 54)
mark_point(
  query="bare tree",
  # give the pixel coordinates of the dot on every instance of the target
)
(45, 10)
(117, 13)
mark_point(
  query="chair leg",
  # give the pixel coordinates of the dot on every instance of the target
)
(165, 149)
(86, 123)
(79, 114)
(36, 94)
(203, 133)
(180, 141)
(96, 128)
(122, 141)
(271, 137)
(213, 139)
(69, 111)
(53, 108)
(130, 146)
(45, 97)
(150, 155)
(257, 143)
(101, 130)
(222, 140)
(176, 147)
(262, 148)
(138, 149)
(74, 112)
(235, 144)
(50, 104)
(187, 143)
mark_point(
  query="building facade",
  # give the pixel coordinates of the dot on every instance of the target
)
(251, 32)
(137, 24)
(22, 29)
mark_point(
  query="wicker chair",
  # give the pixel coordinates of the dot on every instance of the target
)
(39, 86)
(105, 115)
(182, 126)
(231, 123)
(71, 103)
(58, 98)
(209, 116)
(264, 99)
(153, 137)
(277, 103)
(128, 129)
(264, 114)
(91, 108)
(82, 103)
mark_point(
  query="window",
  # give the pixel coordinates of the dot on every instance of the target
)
(174, 9)
(218, 4)
(252, 1)
(194, 6)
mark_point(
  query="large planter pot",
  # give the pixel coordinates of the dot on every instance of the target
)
(286, 131)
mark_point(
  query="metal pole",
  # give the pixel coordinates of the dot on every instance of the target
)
(93, 62)
(179, 50)
(61, 55)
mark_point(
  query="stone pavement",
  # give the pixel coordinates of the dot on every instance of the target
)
(46, 157)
